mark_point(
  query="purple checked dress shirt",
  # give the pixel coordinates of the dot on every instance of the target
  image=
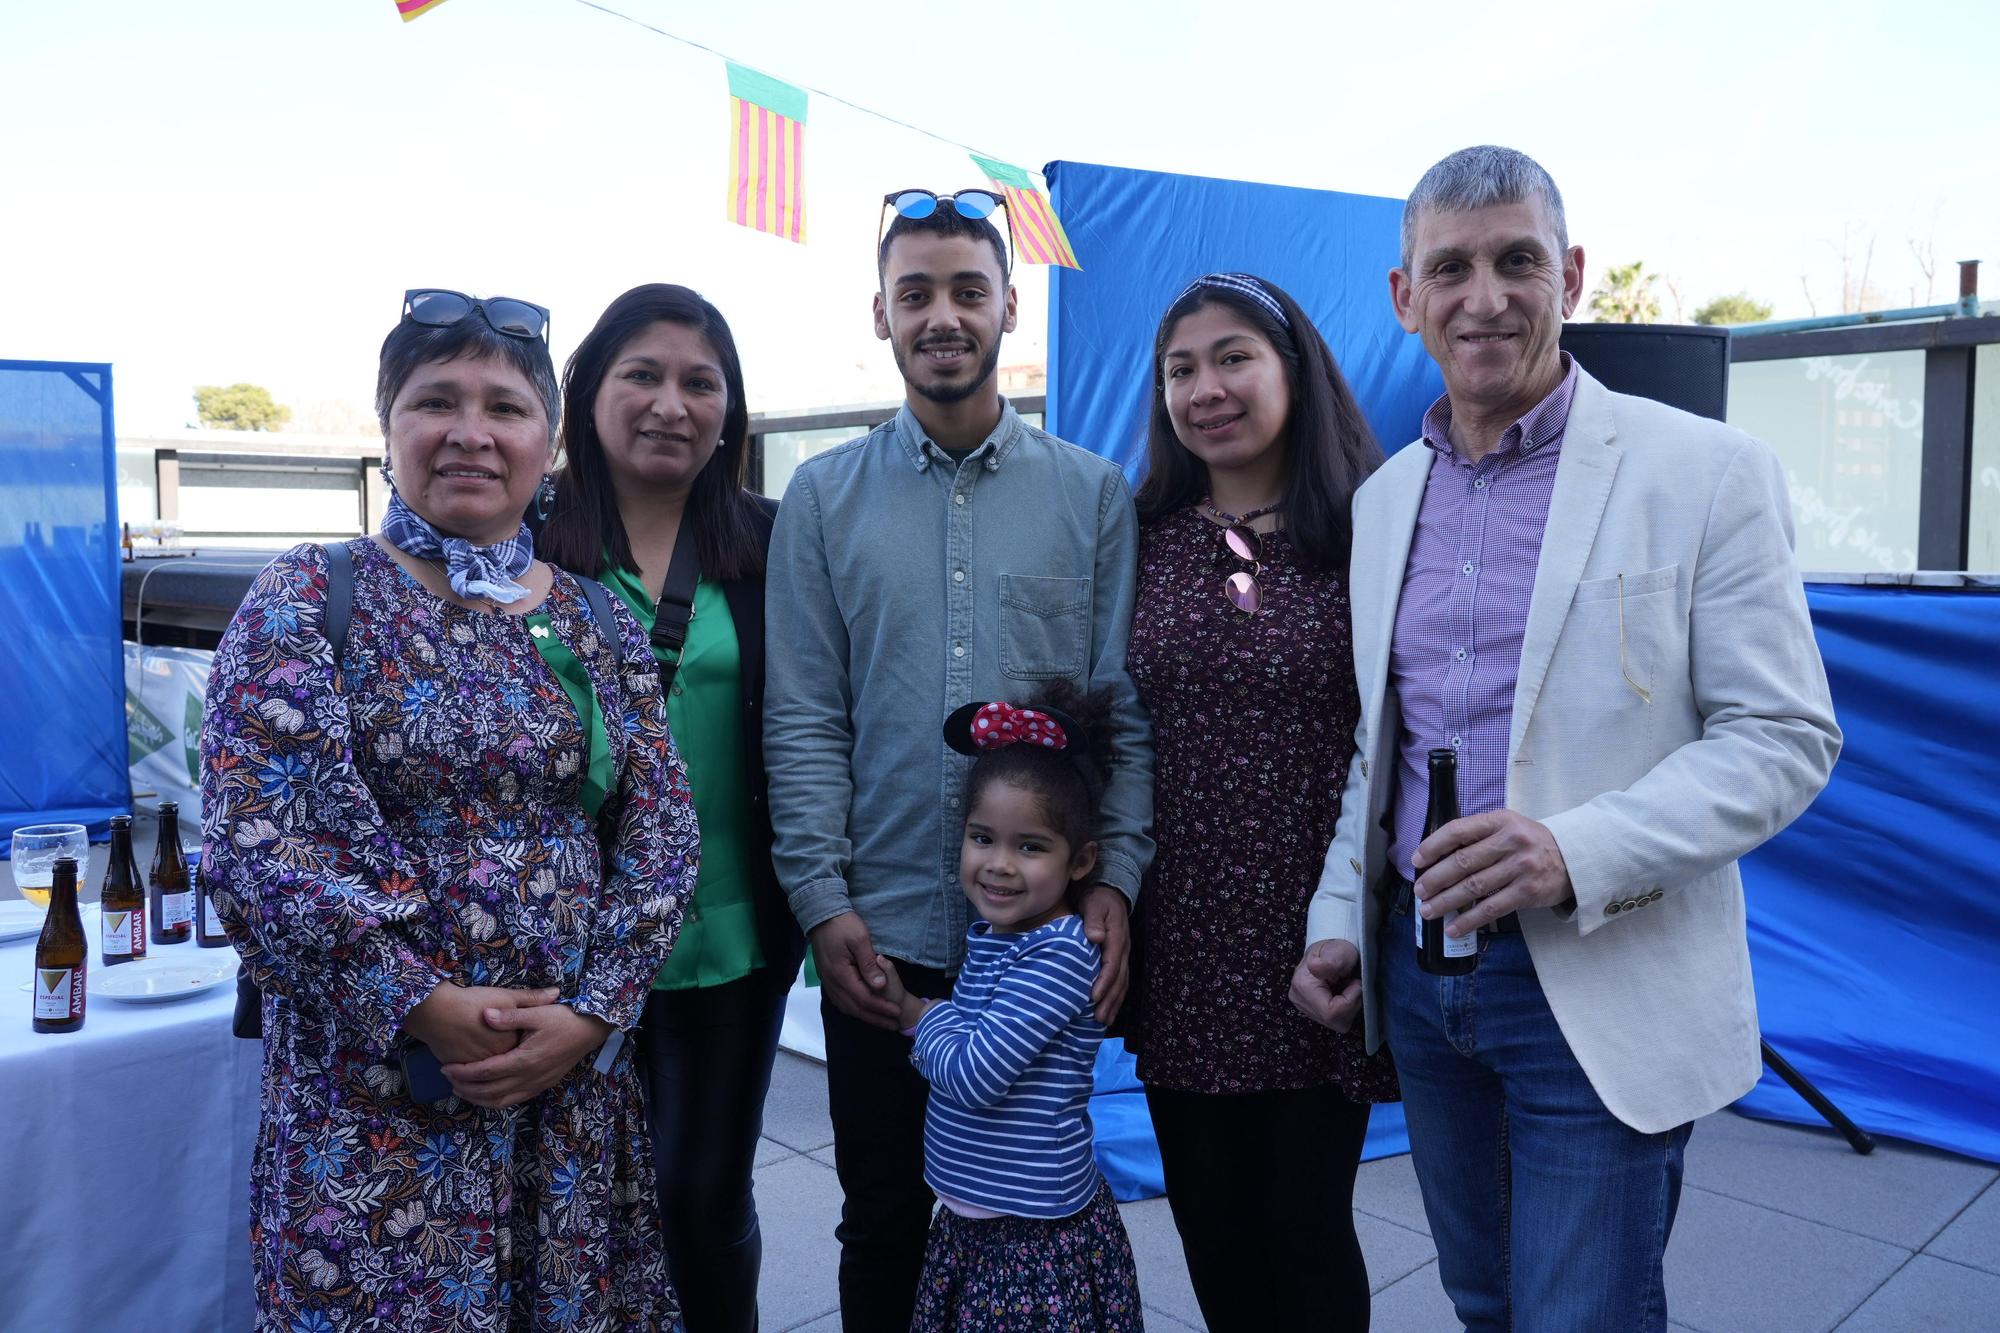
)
(1456, 653)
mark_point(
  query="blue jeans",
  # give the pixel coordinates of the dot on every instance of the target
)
(1549, 1213)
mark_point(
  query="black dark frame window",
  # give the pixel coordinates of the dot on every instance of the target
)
(1951, 353)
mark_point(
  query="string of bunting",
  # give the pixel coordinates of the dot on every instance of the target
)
(767, 133)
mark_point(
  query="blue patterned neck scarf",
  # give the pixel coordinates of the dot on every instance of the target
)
(475, 571)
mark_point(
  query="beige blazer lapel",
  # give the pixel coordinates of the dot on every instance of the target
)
(1589, 461)
(1382, 547)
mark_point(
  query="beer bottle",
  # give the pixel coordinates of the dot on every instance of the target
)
(172, 895)
(59, 957)
(123, 899)
(1438, 953)
(208, 931)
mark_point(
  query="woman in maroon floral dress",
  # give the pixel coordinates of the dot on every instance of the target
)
(1241, 650)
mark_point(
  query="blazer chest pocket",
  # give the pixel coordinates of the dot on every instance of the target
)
(1044, 627)
(1628, 586)
(1628, 630)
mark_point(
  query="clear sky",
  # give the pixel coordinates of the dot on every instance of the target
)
(208, 191)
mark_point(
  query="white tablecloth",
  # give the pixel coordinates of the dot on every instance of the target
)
(125, 1161)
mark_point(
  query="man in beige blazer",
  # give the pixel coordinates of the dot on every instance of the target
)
(1592, 600)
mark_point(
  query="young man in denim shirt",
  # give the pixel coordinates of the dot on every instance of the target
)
(954, 553)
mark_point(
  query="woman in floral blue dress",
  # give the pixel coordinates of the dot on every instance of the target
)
(466, 843)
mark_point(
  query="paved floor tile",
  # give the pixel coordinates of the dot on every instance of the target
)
(769, 1151)
(1158, 1322)
(1900, 1193)
(1973, 1238)
(1156, 1249)
(798, 1202)
(824, 1324)
(824, 1156)
(1392, 1252)
(795, 1112)
(1934, 1296)
(1387, 1188)
(1734, 1267)
(1417, 1304)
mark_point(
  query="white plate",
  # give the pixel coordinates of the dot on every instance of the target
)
(162, 980)
(20, 920)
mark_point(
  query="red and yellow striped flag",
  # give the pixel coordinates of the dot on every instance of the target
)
(766, 177)
(1038, 237)
(410, 9)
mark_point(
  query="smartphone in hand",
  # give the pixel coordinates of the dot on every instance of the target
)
(423, 1074)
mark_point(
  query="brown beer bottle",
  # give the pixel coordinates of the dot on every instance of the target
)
(1437, 952)
(123, 900)
(60, 961)
(208, 931)
(172, 895)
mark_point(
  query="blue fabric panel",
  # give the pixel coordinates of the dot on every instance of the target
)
(62, 676)
(1874, 922)
(1142, 236)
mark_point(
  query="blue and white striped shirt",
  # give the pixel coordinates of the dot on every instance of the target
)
(1009, 1059)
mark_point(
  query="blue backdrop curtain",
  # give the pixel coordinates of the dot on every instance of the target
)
(62, 682)
(1142, 236)
(1874, 919)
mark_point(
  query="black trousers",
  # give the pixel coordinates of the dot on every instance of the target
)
(707, 1055)
(1262, 1190)
(877, 1102)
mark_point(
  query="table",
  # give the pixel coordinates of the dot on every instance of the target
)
(125, 1161)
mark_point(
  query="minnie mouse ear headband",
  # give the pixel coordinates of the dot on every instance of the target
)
(979, 727)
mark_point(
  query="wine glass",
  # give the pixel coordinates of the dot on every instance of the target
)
(37, 848)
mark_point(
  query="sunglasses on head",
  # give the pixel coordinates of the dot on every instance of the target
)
(437, 308)
(918, 204)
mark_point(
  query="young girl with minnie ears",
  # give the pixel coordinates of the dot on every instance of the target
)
(1027, 1236)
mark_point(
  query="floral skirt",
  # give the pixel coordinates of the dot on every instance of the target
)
(1030, 1275)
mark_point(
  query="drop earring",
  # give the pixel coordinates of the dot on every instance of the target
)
(545, 497)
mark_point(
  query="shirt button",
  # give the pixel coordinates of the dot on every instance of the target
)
(677, 687)
(1460, 654)
(1458, 742)
(992, 465)
(1466, 568)
(958, 576)
(958, 650)
(952, 802)
(1479, 484)
(959, 498)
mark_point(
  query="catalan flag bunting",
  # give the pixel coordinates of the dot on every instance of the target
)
(410, 9)
(766, 182)
(1038, 237)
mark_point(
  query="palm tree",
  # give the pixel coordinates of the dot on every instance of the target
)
(1625, 296)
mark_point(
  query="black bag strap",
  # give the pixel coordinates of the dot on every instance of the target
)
(670, 620)
(339, 596)
(598, 598)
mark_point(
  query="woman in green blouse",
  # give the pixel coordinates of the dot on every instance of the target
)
(651, 500)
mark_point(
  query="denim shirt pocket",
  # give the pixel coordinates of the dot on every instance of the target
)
(1044, 627)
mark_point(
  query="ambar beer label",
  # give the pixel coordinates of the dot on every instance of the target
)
(58, 992)
(176, 909)
(118, 932)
